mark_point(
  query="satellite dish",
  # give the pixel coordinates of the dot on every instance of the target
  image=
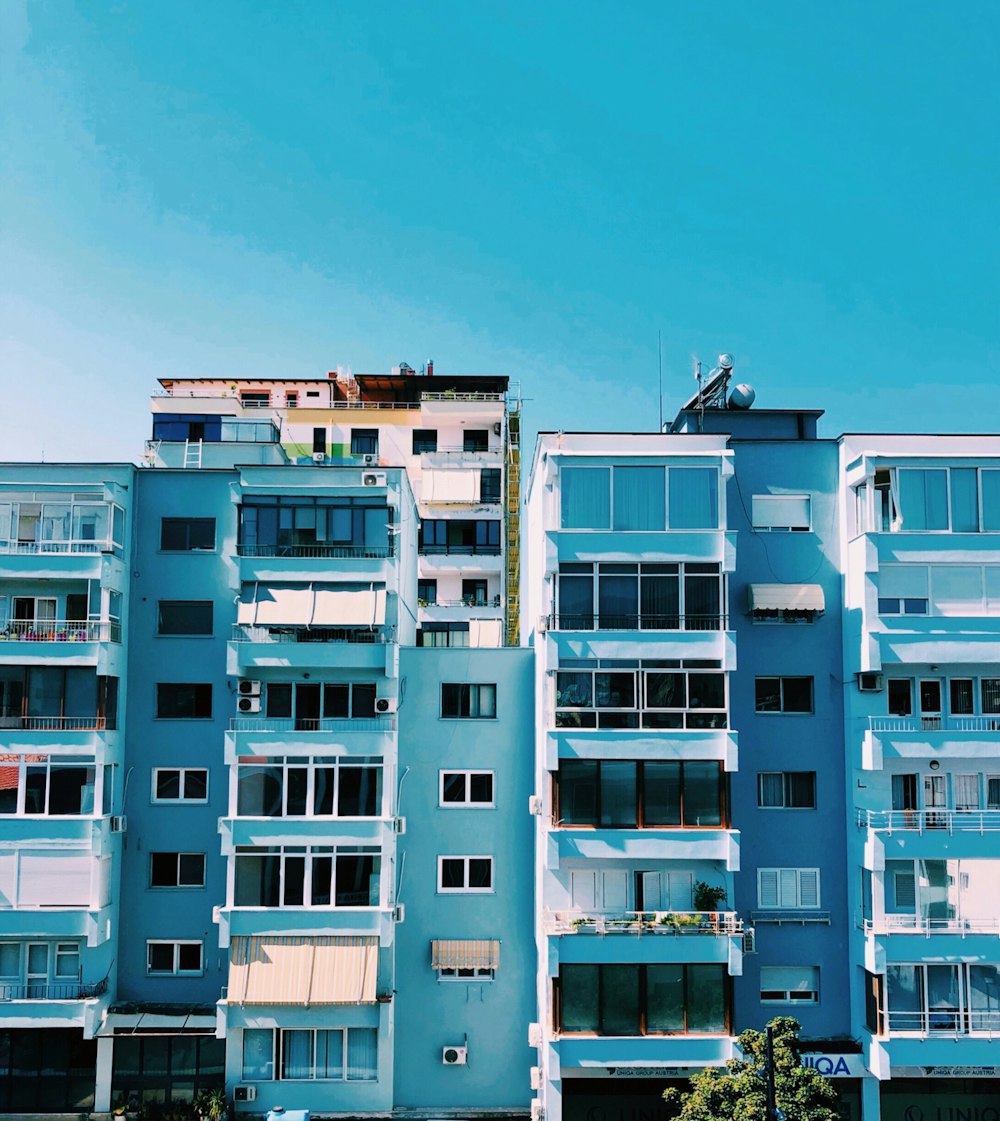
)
(725, 361)
(742, 397)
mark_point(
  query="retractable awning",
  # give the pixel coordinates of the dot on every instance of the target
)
(449, 486)
(466, 953)
(485, 632)
(273, 969)
(334, 607)
(786, 597)
(277, 606)
(311, 605)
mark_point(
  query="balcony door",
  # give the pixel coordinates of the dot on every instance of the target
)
(664, 891)
(37, 972)
(930, 703)
(935, 798)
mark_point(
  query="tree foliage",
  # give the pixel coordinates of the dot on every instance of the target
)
(739, 1091)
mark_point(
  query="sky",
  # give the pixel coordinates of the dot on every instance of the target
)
(544, 190)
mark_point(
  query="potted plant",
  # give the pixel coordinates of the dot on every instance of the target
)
(707, 896)
(211, 1105)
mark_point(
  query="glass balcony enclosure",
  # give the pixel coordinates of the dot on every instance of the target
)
(66, 526)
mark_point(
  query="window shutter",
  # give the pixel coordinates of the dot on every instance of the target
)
(808, 887)
(788, 887)
(905, 887)
(767, 887)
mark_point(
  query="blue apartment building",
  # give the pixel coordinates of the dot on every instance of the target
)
(334, 775)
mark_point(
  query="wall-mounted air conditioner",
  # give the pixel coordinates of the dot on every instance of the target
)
(543, 624)
(370, 460)
(535, 804)
(249, 688)
(399, 825)
(534, 1035)
(497, 428)
(536, 1078)
(319, 457)
(870, 682)
(749, 940)
(244, 1093)
(454, 1056)
(119, 824)
(385, 705)
(399, 915)
(373, 479)
(245, 706)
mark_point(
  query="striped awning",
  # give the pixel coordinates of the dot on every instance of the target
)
(465, 953)
(786, 597)
(274, 969)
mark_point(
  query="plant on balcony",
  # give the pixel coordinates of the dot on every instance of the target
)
(739, 1091)
(212, 1105)
(707, 896)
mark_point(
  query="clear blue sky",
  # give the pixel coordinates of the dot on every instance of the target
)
(230, 187)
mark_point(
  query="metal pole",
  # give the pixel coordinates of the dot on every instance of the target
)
(772, 1107)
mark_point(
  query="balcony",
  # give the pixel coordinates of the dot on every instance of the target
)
(635, 622)
(790, 915)
(921, 924)
(260, 647)
(52, 723)
(948, 1022)
(930, 821)
(264, 735)
(660, 924)
(62, 630)
(52, 990)
(320, 551)
(930, 737)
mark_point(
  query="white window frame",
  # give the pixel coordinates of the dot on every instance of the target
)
(277, 1050)
(176, 971)
(451, 975)
(182, 781)
(466, 803)
(785, 790)
(177, 885)
(338, 764)
(781, 678)
(470, 685)
(811, 973)
(310, 854)
(784, 873)
(778, 522)
(466, 890)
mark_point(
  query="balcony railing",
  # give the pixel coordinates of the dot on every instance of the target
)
(281, 635)
(459, 550)
(62, 630)
(937, 821)
(920, 924)
(321, 551)
(454, 395)
(674, 923)
(298, 724)
(465, 601)
(51, 723)
(944, 1021)
(934, 723)
(780, 916)
(635, 622)
(47, 547)
(52, 990)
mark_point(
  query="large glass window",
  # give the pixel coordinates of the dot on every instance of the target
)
(694, 498)
(640, 498)
(310, 1054)
(585, 494)
(339, 786)
(322, 527)
(302, 876)
(624, 794)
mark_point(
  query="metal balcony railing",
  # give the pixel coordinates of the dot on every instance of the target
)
(790, 915)
(635, 622)
(321, 550)
(62, 630)
(938, 821)
(364, 636)
(920, 924)
(934, 723)
(298, 724)
(459, 550)
(52, 990)
(51, 723)
(454, 395)
(944, 1021)
(639, 923)
(465, 601)
(89, 547)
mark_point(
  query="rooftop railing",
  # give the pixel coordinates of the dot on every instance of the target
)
(675, 923)
(934, 723)
(61, 630)
(936, 821)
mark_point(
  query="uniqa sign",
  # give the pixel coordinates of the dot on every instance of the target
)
(832, 1066)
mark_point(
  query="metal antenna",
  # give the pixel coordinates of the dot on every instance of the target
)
(659, 360)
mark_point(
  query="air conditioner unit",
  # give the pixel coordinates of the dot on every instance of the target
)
(249, 688)
(319, 457)
(373, 479)
(454, 1056)
(370, 460)
(749, 940)
(534, 1035)
(119, 824)
(870, 682)
(536, 1078)
(246, 705)
(245, 1094)
(385, 705)
(537, 1111)
(535, 805)
(543, 624)
(399, 825)
(497, 428)
(399, 915)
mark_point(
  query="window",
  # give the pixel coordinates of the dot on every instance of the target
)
(299, 876)
(466, 788)
(903, 589)
(935, 499)
(475, 440)
(184, 617)
(784, 694)
(364, 441)
(786, 790)
(57, 785)
(468, 874)
(489, 484)
(789, 984)
(174, 958)
(186, 535)
(464, 973)
(899, 693)
(292, 399)
(251, 399)
(176, 869)
(306, 786)
(468, 702)
(788, 888)
(425, 440)
(281, 526)
(176, 701)
(633, 498)
(782, 512)
(626, 794)
(640, 597)
(310, 1054)
(186, 784)
(319, 441)
(637, 999)
(443, 634)
(953, 590)
(474, 593)
(427, 591)
(459, 536)
(943, 998)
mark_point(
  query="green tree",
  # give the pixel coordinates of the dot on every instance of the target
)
(739, 1092)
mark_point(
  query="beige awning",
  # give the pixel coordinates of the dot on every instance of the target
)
(274, 969)
(485, 632)
(450, 486)
(465, 953)
(276, 606)
(786, 597)
(335, 607)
